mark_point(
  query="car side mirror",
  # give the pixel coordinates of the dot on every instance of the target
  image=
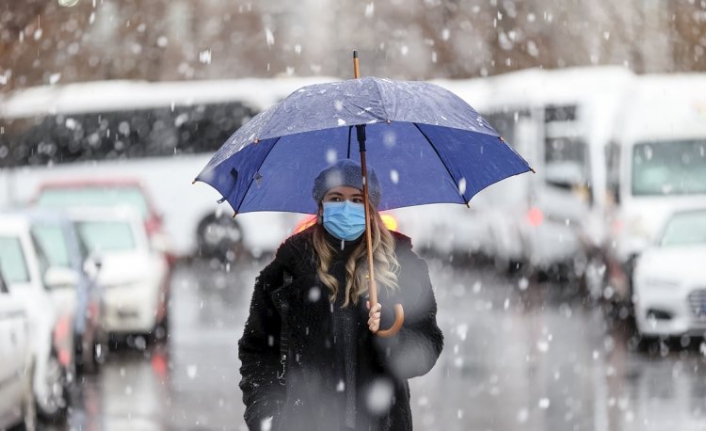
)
(58, 277)
(92, 265)
(615, 194)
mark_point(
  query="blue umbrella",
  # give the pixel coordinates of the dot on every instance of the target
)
(425, 143)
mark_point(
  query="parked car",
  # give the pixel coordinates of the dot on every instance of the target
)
(135, 277)
(670, 279)
(108, 192)
(16, 399)
(39, 286)
(58, 238)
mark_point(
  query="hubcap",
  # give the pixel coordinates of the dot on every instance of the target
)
(54, 388)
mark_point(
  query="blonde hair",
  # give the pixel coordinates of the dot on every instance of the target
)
(385, 261)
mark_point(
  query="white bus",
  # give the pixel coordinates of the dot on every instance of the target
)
(162, 134)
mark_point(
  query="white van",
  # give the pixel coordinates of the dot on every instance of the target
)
(561, 122)
(656, 164)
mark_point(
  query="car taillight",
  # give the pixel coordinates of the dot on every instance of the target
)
(151, 226)
(535, 216)
(390, 221)
(62, 332)
(304, 224)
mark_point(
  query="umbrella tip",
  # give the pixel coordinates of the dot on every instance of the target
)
(355, 53)
(533, 171)
(235, 214)
(193, 182)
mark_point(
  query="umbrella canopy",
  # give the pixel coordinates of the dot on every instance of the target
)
(425, 144)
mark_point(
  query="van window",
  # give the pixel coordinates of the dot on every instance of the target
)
(669, 168)
(505, 122)
(566, 161)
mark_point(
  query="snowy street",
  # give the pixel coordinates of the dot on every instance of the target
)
(518, 356)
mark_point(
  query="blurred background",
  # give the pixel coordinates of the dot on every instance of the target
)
(572, 298)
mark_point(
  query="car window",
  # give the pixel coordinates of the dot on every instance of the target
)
(90, 196)
(3, 286)
(53, 242)
(687, 228)
(12, 260)
(106, 236)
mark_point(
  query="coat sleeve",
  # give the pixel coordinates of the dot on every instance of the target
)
(413, 351)
(259, 350)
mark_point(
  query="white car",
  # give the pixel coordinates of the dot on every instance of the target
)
(16, 399)
(41, 289)
(670, 279)
(135, 277)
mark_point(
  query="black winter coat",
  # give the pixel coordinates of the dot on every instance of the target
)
(305, 399)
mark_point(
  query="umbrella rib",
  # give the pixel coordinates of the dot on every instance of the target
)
(247, 190)
(440, 159)
(384, 105)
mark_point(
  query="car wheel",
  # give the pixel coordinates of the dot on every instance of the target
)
(100, 349)
(29, 409)
(53, 407)
(88, 358)
(221, 237)
(161, 330)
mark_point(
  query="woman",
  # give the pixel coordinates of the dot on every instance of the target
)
(310, 358)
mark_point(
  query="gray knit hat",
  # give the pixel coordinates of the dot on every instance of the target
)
(345, 172)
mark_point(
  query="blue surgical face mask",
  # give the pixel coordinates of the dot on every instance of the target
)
(344, 220)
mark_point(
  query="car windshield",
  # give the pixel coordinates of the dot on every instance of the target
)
(669, 168)
(686, 228)
(12, 261)
(106, 236)
(94, 197)
(53, 242)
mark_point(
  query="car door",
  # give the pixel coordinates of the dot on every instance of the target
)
(63, 295)
(14, 351)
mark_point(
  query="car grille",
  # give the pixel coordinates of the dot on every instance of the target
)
(697, 303)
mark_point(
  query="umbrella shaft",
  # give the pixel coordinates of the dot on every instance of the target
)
(372, 288)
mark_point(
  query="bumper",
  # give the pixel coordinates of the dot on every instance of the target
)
(130, 310)
(668, 314)
(551, 244)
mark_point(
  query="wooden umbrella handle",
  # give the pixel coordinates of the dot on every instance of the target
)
(396, 326)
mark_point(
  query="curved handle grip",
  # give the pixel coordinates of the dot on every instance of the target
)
(396, 326)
